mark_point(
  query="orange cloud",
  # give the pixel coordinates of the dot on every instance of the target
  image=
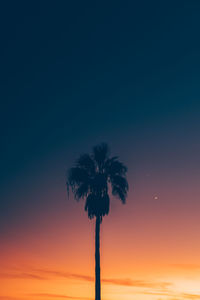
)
(190, 296)
(172, 295)
(8, 298)
(186, 266)
(137, 283)
(115, 281)
(64, 274)
(22, 276)
(46, 274)
(58, 296)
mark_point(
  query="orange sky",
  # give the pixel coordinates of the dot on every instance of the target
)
(149, 249)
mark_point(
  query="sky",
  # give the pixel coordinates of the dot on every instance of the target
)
(74, 74)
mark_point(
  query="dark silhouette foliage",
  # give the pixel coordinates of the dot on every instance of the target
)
(90, 179)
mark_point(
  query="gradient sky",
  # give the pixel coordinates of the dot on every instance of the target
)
(76, 73)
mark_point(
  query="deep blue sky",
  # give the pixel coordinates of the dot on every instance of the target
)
(79, 72)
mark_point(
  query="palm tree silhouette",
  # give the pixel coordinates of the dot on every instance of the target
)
(90, 179)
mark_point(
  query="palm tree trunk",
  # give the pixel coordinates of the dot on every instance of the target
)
(97, 260)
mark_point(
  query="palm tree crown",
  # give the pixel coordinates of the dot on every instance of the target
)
(91, 177)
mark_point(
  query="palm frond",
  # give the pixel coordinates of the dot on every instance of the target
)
(120, 181)
(99, 183)
(82, 191)
(121, 194)
(86, 162)
(97, 205)
(76, 177)
(115, 167)
(105, 205)
(90, 206)
(100, 153)
(119, 187)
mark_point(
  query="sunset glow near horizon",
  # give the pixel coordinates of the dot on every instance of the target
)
(73, 76)
(149, 248)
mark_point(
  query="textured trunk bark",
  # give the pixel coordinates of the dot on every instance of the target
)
(97, 261)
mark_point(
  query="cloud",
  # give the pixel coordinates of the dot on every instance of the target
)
(137, 283)
(64, 274)
(190, 296)
(9, 298)
(114, 281)
(58, 296)
(47, 274)
(22, 276)
(171, 295)
(187, 267)
(156, 293)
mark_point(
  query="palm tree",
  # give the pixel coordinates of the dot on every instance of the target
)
(90, 179)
